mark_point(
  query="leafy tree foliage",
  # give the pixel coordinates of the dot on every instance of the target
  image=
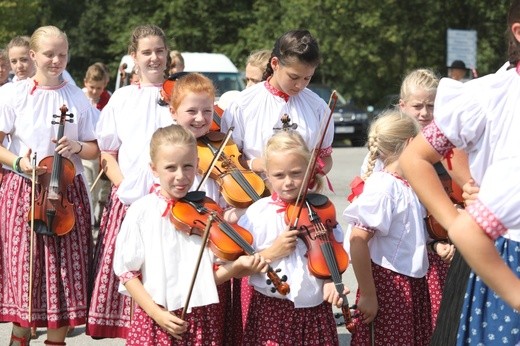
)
(367, 46)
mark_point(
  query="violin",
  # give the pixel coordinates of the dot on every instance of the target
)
(217, 116)
(191, 213)
(53, 210)
(434, 228)
(239, 186)
(326, 257)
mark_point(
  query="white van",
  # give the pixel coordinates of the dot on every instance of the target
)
(216, 66)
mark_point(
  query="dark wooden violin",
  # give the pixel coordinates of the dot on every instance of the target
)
(53, 210)
(239, 186)
(190, 214)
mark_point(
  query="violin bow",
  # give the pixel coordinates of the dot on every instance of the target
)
(216, 157)
(197, 265)
(302, 194)
(31, 237)
(101, 171)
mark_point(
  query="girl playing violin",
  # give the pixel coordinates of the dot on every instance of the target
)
(388, 244)
(60, 264)
(124, 130)
(191, 106)
(304, 315)
(155, 262)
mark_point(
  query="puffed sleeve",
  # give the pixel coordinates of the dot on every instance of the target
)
(372, 210)
(129, 250)
(7, 112)
(230, 118)
(498, 206)
(106, 129)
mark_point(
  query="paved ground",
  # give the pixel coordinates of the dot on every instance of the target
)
(346, 165)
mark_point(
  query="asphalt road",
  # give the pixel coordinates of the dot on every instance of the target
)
(347, 162)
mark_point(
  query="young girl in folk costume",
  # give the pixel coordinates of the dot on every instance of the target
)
(482, 118)
(258, 111)
(416, 99)
(156, 262)
(124, 130)
(304, 315)
(388, 244)
(192, 107)
(60, 264)
(21, 63)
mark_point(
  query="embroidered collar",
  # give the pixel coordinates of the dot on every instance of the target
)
(397, 176)
(36, 85)
(275, 91)
(170, 202)
(276, 200)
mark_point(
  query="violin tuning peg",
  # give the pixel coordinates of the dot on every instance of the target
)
(273, 290)
(284, 278)
(278, 270)
(268, 281)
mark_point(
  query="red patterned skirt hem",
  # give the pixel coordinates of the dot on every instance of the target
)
(109, 312)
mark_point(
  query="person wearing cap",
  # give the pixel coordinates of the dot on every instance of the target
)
(457, 70)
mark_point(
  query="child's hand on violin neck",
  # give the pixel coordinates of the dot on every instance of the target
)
(171, 323)
(248, 265)
(331, 295)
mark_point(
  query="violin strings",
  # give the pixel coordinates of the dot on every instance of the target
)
(242, 181)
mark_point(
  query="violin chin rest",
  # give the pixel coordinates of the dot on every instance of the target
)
(41, 228)
(317, 199)
(195, 196)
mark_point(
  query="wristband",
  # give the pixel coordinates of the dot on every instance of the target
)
(16, 164)
(80, 147)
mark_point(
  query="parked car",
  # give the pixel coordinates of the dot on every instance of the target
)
(387, 102)
(350, 121)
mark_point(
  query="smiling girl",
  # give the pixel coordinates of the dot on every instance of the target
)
(124, 130)
(155, 262)
(60, 265)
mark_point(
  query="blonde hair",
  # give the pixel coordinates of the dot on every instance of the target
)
(172, 134)
(424, 79)
(259, 58)
(387, 137)
(191, 82)
(286, 143)
(175, 55)
(19, 41)
(45, 31)
(97, 73)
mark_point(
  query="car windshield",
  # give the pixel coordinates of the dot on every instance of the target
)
(225, 81)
